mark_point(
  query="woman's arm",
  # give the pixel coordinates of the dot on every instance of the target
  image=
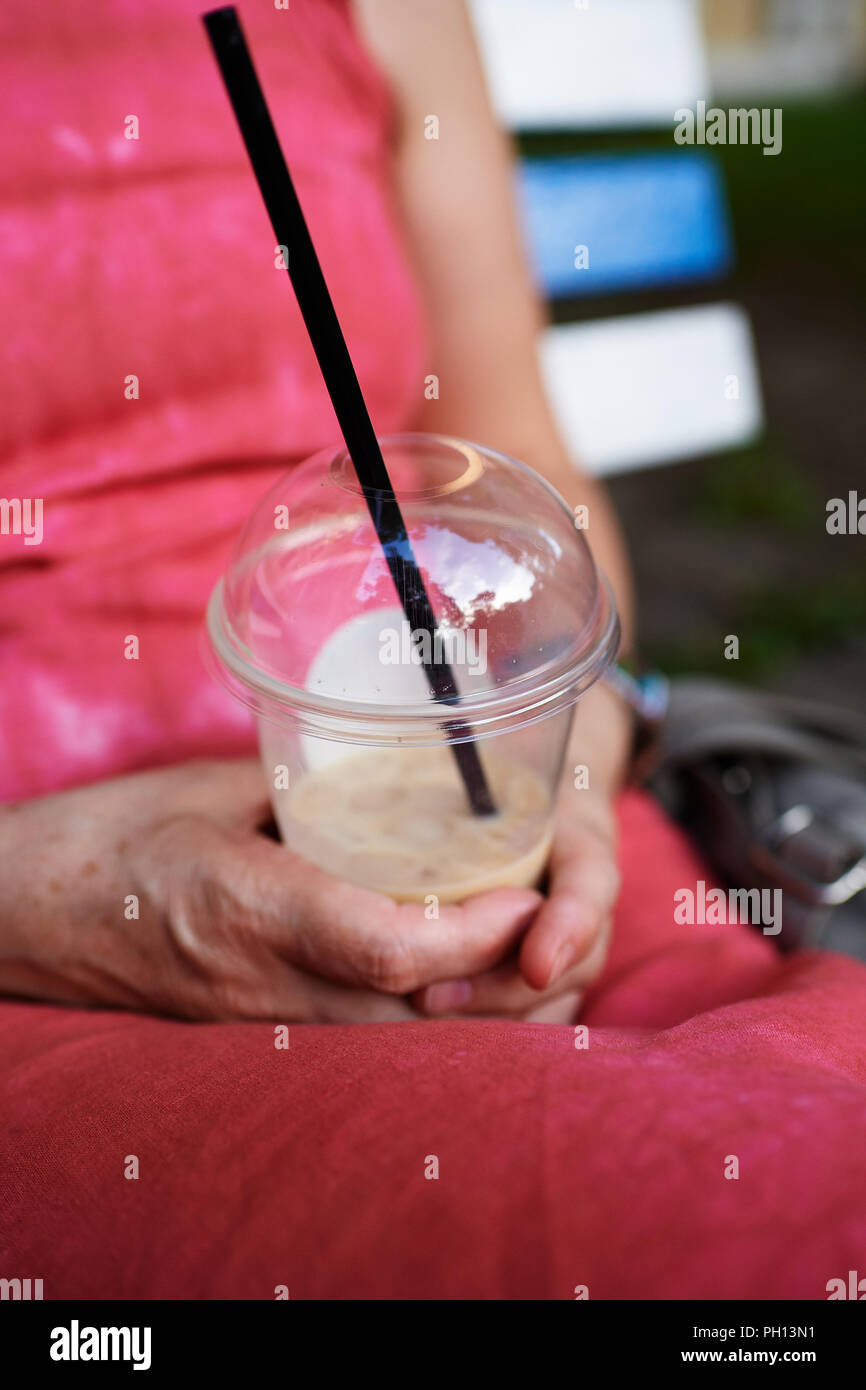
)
(456, 198)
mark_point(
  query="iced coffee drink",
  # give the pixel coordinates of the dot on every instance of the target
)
(364, 757)
(407, 829)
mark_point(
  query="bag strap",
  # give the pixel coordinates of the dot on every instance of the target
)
(707, 717)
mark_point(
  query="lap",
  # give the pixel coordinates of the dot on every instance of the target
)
(460, 1159)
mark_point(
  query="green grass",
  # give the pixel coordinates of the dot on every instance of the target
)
(776, 627)
(759, 483)
(807, 204)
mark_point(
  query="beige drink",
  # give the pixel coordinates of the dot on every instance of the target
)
(403, 826)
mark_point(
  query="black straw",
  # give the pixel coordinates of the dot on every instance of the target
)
(287, 218)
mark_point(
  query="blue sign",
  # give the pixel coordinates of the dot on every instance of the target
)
(602, 223)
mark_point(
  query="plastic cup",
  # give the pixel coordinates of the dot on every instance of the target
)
(307, 629)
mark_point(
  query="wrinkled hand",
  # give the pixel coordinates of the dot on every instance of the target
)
(230, 923)
(565, 947)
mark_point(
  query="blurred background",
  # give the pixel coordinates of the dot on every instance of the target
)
(707, 354)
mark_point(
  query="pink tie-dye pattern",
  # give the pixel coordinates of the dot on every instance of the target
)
(154, 258)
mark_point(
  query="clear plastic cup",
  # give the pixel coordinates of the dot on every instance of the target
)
(308, 630)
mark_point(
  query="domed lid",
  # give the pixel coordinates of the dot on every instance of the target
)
(308, 622)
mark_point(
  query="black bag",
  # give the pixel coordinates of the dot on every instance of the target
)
(774, 789)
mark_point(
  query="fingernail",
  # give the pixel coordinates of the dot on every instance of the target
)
(443, 999)
(564, 958)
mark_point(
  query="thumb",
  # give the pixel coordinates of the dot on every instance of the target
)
(584, 882)
(353, 935)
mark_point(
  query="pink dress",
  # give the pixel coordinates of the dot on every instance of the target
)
(152, 258)
(157, 378)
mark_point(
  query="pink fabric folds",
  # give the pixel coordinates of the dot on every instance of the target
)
(559, 1166)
